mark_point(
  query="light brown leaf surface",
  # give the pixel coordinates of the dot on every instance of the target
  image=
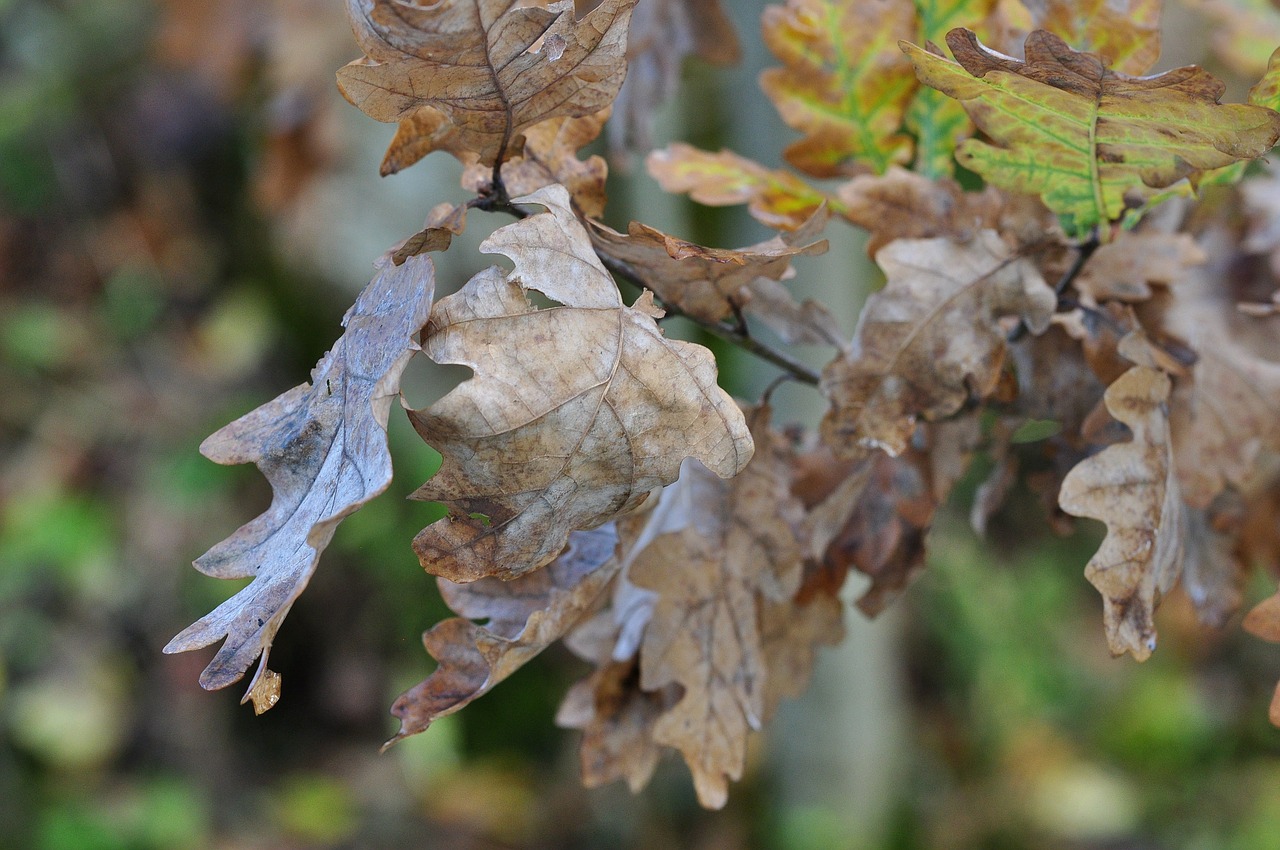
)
(524, 616)
(705, 283)
(444, 222)
(1133, 489)
(485, 70)
(901, 204)
(574, 413)
(704, 635)
(930, 339)
(807, 322)
(323, 448)
(1123, 269)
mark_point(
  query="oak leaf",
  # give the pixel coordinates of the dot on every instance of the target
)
(807, 322)
(706, 283)
(841, 84)
(323, 448)
(1122, 269)
(1123, 33)
(524, 616)
(901, 204)
(469, 76)
(1091, 142)
(774, 197)
(444, 222)
(704, 635)
(1132, 487)
(574, 413)
(930, 339)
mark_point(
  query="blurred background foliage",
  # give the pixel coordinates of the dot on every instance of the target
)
(186, 209)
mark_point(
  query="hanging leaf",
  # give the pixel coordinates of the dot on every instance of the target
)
(323, 447)
(574, 413)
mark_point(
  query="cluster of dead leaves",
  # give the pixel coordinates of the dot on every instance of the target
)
(603, 490)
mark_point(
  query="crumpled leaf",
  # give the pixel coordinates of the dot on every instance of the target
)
(323, 447)
(774, 197)
(444, 222)
(574, 413)
(524, 616)
(1133, 489)
(663, 34)
(705, 283)
(901, 204)
(469, 76)
(930, 339)
(704, 633)
(841, 84)
(1092, 143)
(1124, 33)
(550, 156)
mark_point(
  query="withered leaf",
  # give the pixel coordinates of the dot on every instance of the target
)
(930, 339)
(574, 413)
(901, 204)
(704, 635)
(705, 283)
(796, 323)
(444, 222)
(1125, 33)
(1122, 269)
(524, 616)
(1133, 489)
(323, 448)
(484, 70)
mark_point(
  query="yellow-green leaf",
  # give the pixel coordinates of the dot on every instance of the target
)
(1092, 143)
(841, 84)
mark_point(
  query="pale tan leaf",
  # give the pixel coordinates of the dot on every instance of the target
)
(1122, 269)
(790, 634)
(323, 447)
(930, 340)
(574, 413)
(901, 204)
(796, 323)
(524, 616)
(704, 635)
(1133, 489)
(705, 283)
(486, 70)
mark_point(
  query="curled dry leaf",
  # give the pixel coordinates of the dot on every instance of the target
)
(469, 76)
(550, 155)
(901, 204)
(841, 84)
(706, 283)
(1133, 489)
(930, 340)
(444, 222)
(704, 635)
(1107, 135)
(574, 413)
(774, 197)
(323, 448)
(663, 34)
(524, 616)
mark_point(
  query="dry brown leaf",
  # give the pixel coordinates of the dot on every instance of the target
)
(930, 340)
(323, 448)
(796, 323)
(704, 634)
(524, 616)
(485, 70)
(706, 283)
(901, 204)
(550, 156)
(1122, 269)
(574, 413)
(663, 34)
(1212, 574)
(444, 222)
(1133, 489)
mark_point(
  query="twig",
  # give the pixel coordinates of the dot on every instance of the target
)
(1084, 251)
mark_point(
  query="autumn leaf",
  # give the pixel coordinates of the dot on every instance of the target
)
(774, 197)
(444, 222)
(704, 633)
(1125, 34)
(663, 34)
(929, 340)
(841, 84)
(1091, 142)
(1213, 575)
(1133, 489)
(524, 616)
(469, 76)
(1122, 269)
(901, 204)
(807, 322)
(705, 283)
(323, 448)
(574, 413)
